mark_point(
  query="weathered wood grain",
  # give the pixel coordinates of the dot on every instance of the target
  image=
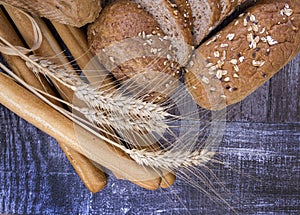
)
(37, 179)
(275, 101)
(260, 151)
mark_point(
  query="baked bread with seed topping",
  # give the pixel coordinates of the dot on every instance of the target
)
(173, 24)
(185, 9)
(71, 12)
(205, 14)
(208, 14)
(245, 54)
(130, 43)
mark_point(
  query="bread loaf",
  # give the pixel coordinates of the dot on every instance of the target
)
(72, 12)
(185, 9)
(245, 54)
(130, 43)
(228, 6)
(174, 25)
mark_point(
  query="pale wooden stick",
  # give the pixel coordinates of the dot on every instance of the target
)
(50, 47)
(92, 177)
(76, 41)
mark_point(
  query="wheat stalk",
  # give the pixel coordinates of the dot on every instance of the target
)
(170, 160)
(119, 111)
(140, 116)
(167, 159)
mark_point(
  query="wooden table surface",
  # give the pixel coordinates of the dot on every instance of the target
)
(260, 151)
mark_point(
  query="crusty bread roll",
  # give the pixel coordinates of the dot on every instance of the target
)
(130, 43)
(245, 54)
(72, 12)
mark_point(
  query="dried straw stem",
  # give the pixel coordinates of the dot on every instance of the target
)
(92, 177)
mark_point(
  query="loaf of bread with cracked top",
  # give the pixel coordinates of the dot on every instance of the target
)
(245, 54)
(130, 43)
(71, 12)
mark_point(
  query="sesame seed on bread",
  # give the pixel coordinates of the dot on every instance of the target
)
(245, 54)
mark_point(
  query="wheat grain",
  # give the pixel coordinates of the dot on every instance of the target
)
(170, 160)
(127, 115)
(119, 111)
(167, 158)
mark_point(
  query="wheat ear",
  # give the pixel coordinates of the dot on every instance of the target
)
(169, 160)
(117, 108)
(151, 159)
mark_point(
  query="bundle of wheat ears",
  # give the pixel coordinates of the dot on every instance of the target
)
(143, 126)
(105, 122)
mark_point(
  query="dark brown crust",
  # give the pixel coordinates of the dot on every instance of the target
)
(72, 12)
(278, 44)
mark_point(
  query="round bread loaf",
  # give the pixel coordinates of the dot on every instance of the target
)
(130, 43)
